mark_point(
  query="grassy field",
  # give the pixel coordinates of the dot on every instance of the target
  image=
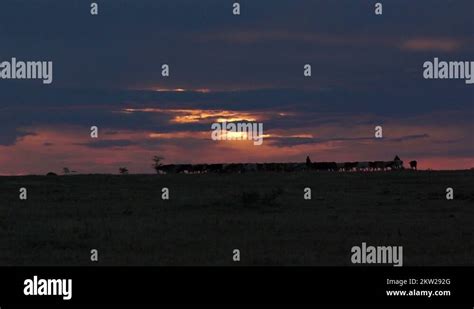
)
(262, 214)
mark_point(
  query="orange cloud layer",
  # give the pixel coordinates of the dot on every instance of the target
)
(51, 149)
(432, 44)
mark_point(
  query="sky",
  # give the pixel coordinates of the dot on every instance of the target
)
(367, 71)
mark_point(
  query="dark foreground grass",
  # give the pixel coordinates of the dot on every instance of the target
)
(262, 214)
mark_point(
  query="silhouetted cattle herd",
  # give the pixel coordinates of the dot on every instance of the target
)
(395, 164)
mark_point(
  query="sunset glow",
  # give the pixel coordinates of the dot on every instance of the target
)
(197, 115)
(203, 90)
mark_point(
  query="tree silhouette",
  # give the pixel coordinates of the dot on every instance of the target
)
(157, 163)
(123, 170)
(66, 171)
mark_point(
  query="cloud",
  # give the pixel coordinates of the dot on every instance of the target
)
(207, 49)
(293, 141)
(432, 44)
(409, 137)
(9, 135)
(113, 143)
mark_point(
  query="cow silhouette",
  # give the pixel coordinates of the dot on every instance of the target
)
(324, 166)
(350, 166)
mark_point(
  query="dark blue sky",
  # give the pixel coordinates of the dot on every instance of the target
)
(366, 71)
